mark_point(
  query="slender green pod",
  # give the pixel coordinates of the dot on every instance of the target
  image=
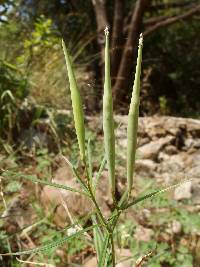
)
(108, 121)
(133, 119)
(76, 104)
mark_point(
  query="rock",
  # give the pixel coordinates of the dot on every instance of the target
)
(196, 191)
(192, 160)
(168, 179)
(151, 150)
(143, 141)
(19, 213)
(92, 262)
(171, 164)
(193, 127)
(143, 234)
(189, 190)
(145, 167)
(197, 144)
(194, 172)
(192, 143)
(189, 143)
(126, 263)
(77, 204)
(171, 150)
(163, 157)
(184, 191)
(122, 253)
(51, 197)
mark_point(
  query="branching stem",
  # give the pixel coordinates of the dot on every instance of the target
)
(90, 189)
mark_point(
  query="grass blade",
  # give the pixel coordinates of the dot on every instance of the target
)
(52, 244)
(76, 104)
(153, 194)
(108, 121)
(133, 120)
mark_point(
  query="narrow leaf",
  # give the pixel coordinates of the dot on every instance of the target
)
(153, 194)
(52, 244)
(45, 182)
(133, 120)
(76, 104)
(108, 121)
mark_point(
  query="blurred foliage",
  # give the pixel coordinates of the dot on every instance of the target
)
(30, 39)
(13, 90)
(172, 54)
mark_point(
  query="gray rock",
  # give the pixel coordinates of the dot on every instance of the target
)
(184, 191)
(196, 191)
(171, 150)
(189, 190)
(194, 172)
(151, 150)
(145, 167)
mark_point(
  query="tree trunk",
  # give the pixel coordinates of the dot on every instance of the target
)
(117, 38)
(124, 72)
(102, 22)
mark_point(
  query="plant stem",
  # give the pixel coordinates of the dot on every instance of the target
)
(99, 213)
(113, 250)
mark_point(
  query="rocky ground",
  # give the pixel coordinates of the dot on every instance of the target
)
(168, 152)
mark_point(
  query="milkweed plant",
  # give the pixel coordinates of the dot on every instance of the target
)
(101, 229)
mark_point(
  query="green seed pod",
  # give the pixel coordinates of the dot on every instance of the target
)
(133, 120)
(108, 121)
(76, 104)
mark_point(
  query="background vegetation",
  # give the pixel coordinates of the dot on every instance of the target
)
(35, 116)
(30, 40)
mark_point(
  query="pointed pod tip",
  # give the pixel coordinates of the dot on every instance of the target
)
(63, 45)
(141, 39)
(106, 31)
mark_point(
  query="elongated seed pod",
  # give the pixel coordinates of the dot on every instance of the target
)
(108, 121)
(76, 104)
(133, 119)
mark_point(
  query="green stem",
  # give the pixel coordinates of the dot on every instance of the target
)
(99, 213)
(113, 250)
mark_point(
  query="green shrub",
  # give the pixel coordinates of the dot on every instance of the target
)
(13, 90)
